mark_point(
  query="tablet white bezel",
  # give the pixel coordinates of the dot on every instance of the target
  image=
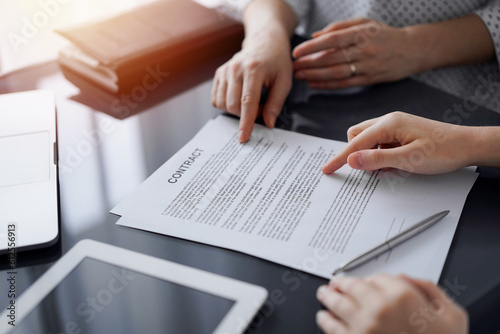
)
(247, 298)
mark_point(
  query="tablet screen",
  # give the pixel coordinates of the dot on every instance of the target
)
(97, 297)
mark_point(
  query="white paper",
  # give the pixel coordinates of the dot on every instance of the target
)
(269, 198)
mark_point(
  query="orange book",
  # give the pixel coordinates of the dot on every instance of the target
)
(150, 42)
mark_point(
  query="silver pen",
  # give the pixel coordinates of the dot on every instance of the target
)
(391, 243)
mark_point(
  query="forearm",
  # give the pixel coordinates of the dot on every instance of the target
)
(484, 146)
(455, 42)
(268, 18)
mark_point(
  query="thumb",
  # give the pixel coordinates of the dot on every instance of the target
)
(371, 159)
(381, 158)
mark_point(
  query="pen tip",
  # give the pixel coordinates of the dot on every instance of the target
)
(337, 271)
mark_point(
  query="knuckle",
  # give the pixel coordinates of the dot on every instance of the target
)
(248, 99)
(395, 117)
(392, 118)
(397, 113)
(234, 69)
(372, 28)
(220, 72)
(352, 131)
(253, 64)
(274, 108)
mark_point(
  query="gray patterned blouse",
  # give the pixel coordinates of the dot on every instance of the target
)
(479, 83)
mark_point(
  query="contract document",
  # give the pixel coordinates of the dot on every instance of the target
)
(269, 198)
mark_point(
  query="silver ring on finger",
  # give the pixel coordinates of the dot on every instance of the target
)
(354, 70)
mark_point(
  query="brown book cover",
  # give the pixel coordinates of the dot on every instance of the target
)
(163, 37)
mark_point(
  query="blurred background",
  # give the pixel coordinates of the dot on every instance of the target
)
(27, 27)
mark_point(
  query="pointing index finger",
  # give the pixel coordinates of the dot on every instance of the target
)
(252, 85)
(366, 139)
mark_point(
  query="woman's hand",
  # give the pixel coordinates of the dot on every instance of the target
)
(386, 304)
(414, 144)
(264, 61)
(354, 53)
(364, 51)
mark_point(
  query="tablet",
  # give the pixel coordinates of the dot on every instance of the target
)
(99, 288)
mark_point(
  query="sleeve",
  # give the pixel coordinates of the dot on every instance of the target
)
(235, 9)
(301, 8)
(231, 8)
(490, 14)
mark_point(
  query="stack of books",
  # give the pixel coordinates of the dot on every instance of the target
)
(143, 48)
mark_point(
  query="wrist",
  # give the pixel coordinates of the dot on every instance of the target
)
(265, 20)
(421, 44)
(461, 41)
(271, 36)
(484, 146)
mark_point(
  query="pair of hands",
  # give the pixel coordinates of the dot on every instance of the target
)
(387, 304)
(381, 303)
(377, 51)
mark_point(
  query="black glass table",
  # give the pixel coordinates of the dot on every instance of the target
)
(103, 158)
